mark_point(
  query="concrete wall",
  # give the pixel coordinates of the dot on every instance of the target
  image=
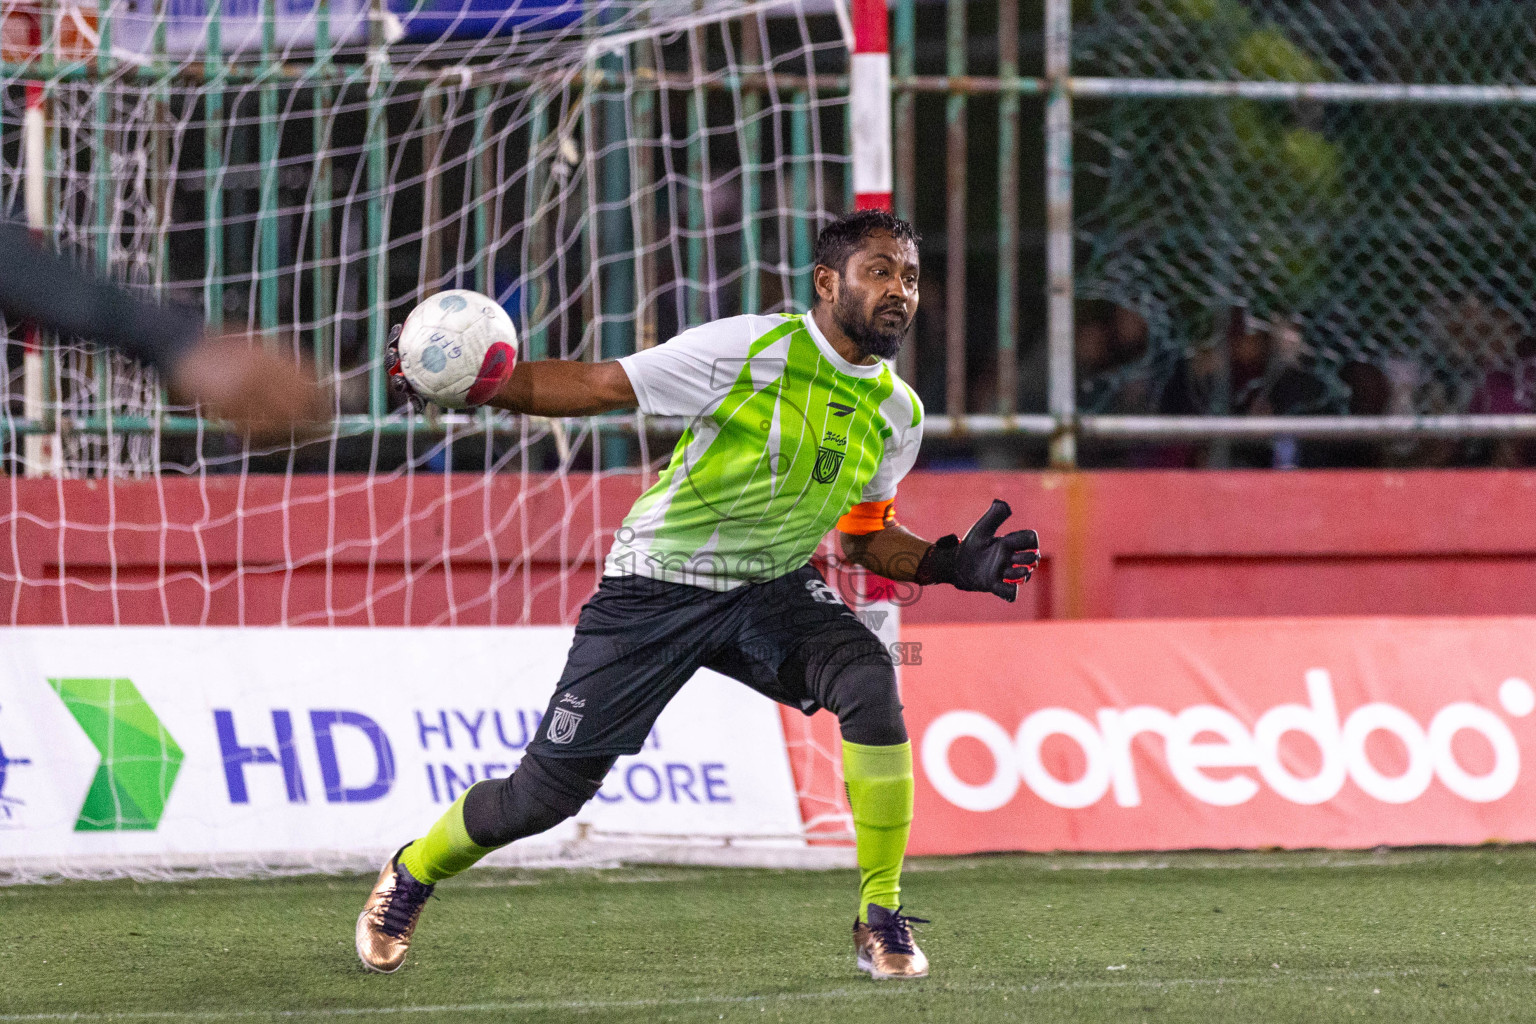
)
(432, 550)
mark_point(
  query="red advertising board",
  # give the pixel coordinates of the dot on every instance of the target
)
(1234, 733)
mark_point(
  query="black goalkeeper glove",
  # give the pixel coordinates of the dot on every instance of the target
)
(984, 562)
(396, 375)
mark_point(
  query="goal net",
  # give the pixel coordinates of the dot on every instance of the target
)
(611, 173)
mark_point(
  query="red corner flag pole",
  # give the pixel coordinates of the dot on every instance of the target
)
(870, 95)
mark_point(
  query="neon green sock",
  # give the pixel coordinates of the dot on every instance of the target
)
(445, 850)
(879, 781)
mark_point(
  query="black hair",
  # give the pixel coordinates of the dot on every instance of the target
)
(844, 236)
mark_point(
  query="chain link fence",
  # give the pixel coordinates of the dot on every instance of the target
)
(1267, 253)
(1443, 42)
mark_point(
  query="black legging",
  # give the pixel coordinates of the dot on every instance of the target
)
(849, 674)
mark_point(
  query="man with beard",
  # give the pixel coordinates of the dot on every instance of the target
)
(796, 425)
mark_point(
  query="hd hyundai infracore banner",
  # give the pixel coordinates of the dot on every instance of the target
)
(1164, 735)
(286, 748)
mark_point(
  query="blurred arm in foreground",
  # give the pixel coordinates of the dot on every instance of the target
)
(233, 377)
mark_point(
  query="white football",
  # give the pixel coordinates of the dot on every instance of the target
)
(457, 348)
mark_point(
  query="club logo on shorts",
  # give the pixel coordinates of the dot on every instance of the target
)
(562, 726)
(828, 462)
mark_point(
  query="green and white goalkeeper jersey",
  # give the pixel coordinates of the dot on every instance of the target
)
(784, 437)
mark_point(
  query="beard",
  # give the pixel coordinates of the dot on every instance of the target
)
(865, 331)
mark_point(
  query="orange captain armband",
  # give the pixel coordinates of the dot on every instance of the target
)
(868, 517)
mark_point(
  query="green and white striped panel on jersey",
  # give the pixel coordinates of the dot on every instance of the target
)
(784, 436)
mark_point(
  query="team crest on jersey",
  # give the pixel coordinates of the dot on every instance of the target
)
(562, 726)
(828, 462)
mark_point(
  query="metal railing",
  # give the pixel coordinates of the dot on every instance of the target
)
(1064, 423)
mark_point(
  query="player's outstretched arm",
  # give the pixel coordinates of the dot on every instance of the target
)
(233, 378)
(981, 562)
(261, 393)
(565, 387)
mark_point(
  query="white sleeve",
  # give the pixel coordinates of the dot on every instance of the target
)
(691, 374)
(900, 448)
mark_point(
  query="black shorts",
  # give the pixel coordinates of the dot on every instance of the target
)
(638, 640)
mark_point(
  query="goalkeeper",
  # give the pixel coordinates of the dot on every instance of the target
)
(796, 425)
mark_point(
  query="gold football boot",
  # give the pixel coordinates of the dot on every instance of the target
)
(885, 946)
(385, 926)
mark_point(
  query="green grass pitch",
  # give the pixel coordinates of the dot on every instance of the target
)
(1418, 935)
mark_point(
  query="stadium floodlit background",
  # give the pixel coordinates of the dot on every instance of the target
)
(1233, 300)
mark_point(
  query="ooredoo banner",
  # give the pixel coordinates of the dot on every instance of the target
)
(189, 746)
(1222, 734)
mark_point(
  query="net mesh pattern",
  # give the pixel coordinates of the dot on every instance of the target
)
(611, 174)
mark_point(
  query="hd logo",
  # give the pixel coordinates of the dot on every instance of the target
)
(139, 759)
